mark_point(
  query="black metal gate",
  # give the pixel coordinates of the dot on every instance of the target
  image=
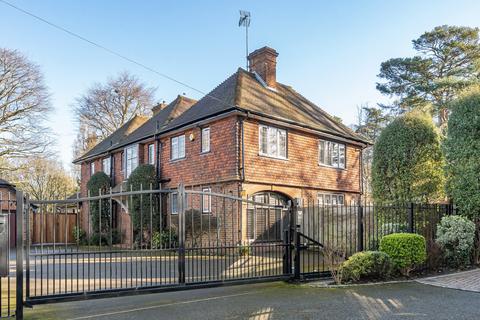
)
(12, 209)
(149, 240)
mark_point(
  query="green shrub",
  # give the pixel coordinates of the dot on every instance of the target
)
(366, 265)
(408, 161)
(407, 250)
(244, 250)
(462, 151)
(168, 238)
(79, 235)
(455, 235)
(99, 183)
(141, 206)
(105, 239)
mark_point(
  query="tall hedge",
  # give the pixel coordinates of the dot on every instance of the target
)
(408, 161)
(462, 151)
(99, 183)
(143, 209)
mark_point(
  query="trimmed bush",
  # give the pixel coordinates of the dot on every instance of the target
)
(366, 265)
(408, 161)
(455, 235)
(462, 151)
(141, 206)
(166, 239)
(99, 183)
(407, 250)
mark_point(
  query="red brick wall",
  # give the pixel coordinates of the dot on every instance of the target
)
(302, 168)
(220, 164)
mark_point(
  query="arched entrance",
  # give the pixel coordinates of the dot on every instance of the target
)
(266, 223)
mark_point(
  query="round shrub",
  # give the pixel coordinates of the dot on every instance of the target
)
(407, 250)
(455, 235)
(366, 265)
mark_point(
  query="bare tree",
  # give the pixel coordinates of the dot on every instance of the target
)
(24, 104)
(44, 179)
(106, 107)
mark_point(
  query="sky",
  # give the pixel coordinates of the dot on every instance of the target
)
(329, 51)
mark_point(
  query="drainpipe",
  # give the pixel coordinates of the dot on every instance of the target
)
(159, 145)
(112, 176)
(361, 174)
(243, 149)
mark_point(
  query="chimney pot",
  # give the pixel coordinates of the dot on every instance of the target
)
(263, 61)
(159, 107)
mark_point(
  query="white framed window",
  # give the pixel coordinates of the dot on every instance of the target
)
(174, 203)
(272, 142)
(206, 201)
(205, 139)
(151, 154)
(331, 199)
(92, 168)
(106, 165)
(177, 147)
(131, 159)
(331, 154)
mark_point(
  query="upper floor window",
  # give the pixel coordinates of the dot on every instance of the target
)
(177, 147)
(151, 154)
(331, 154)
(331, 199)
(131, 159)
(106, 165)
(206, 201)
(205, 139)
(92, 168)
(273, 142)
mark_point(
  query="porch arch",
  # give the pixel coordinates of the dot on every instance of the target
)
(265, 223)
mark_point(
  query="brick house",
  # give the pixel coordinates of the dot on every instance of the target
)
(251, 136)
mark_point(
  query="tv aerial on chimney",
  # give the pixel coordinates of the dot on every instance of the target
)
(245, 22)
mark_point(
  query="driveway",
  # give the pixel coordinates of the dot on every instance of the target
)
(277, 300)
(466, 280)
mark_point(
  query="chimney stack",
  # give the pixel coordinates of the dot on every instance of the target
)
(264, 62)
(159, 107)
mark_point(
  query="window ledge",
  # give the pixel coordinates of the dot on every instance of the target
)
(177, 160)
(331, 167)
(205, 152)
(271, 157)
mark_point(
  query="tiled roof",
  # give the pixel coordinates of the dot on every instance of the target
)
(244, 91)
(241, 91)
(159, 120)
(114, 139)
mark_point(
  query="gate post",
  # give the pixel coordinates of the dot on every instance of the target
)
(296, 221)
(287, 255)
(181, 233)
(411, 228)
(360, 228)
(19, 255)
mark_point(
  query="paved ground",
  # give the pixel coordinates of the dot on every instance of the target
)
(277, 301)
(466, 280)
